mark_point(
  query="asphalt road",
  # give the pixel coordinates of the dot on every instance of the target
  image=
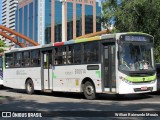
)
(20, 101)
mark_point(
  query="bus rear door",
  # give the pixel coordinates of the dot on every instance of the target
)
(46, 69)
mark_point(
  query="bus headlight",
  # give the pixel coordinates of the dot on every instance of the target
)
(153, 81)
(125, 80)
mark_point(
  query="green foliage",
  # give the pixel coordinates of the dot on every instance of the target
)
(134, 16)
(2, 44)
(1, 50)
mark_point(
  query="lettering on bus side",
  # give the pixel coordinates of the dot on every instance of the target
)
(68, 73)
(80, 71)
(20, 72)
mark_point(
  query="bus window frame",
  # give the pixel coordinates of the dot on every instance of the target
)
(83, 52)
(39, 50)
(7, 61)
(20, 65)
(24, 66)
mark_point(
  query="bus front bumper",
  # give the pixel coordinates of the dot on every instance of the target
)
(125, 88)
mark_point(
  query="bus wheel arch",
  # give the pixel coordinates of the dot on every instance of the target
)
(88, 88)
(29, 86)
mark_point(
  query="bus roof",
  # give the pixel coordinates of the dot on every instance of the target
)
(95, 38)
(21, 49)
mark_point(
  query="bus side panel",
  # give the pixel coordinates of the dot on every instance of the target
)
(69, 78)
(16, 77)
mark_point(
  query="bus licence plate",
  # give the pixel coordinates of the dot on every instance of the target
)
(143, 88)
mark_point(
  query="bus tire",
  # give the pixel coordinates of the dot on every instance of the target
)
(29, 87)
(89, 91)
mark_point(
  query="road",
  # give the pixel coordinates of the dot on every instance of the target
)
(20, 101)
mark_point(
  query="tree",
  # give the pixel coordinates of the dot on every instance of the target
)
(2, 44)
(134, 15)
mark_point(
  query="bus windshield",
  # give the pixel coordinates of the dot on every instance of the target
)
(135, 57)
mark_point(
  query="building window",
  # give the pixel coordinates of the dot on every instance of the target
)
(31, 20)
(17, 23)
(20, 22)
(78, 20)
(36, 21)
(58, 21)
(47, 22)
(25, 21)
(88, 19)
(98, 16)
(69, 21)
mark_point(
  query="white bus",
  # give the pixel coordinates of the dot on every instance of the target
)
(120, 63)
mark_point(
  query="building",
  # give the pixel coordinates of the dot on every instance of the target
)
(41, 20)
(8, 15)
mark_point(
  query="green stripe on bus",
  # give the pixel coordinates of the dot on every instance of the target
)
(141, 79)
(98, 73)
(81, 40)
(53, 75)
(139, 33)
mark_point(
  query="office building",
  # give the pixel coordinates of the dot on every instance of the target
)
(8, 15)
(41, 20)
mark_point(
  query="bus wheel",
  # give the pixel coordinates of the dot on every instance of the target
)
(89, 91)
(29, 87)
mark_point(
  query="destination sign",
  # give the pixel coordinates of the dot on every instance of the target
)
(136, 38)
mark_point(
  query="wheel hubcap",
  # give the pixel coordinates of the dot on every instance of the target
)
(29, 87)
(89, 90)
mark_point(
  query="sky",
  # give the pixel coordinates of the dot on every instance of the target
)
(0, 11)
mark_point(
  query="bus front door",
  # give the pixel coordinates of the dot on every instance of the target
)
(109, 75)
(47, 70)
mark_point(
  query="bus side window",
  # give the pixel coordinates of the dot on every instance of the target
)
(60, 55)
(56, 56)
(70, 55)
(77, 53)
(17, 60)
(91, 52)
(9, 60)
(64, 55)
(35, 58)
(26, 58)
